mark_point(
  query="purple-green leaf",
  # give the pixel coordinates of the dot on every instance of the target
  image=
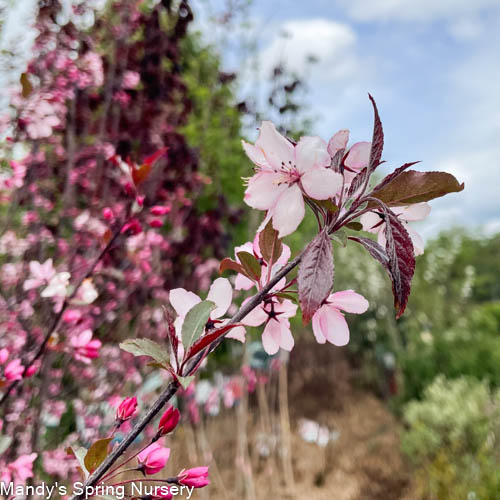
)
(96, 454)
(250, 264)
(270, 245)
(412, 186)
(315, 276)
(374, 249)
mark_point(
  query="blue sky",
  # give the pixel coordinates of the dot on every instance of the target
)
(433, 67)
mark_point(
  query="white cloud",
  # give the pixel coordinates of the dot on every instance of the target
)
(332, 43)
(414, 10)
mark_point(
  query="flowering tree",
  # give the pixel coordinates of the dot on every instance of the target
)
(106, 187)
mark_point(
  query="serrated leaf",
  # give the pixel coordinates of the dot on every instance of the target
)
(195, 321)
(336, 163)
(377, 140)
(340, 237)
(412, 186)
(231, 264)
(250, 265)
(185, 381)
(315, 276)
(269, 244)
(393, 175)
(355, 226)
(399, 249)
(96, 454)
(146, 347)
(357, 182)
(79, 453)
(374, 249)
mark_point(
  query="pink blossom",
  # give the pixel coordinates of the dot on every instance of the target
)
(194, 478)
(14, 370)
(285, 173)
(374, 223)
(40, 274)
(328, 322)
(126, 409)
(130, 79)
(160, 210)
(107, 213)
(220, 293)
(4, 355)
(153, 459)
(19, 470)
(84, 347)
(244, 283)
(86, 293)
(277, 332)
(58, 286)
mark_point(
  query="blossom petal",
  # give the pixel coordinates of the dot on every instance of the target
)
(321, 183)
(335, 327)
(416, 239)
(338, 142)
(286, 341)
(256, 155)
(271, 337)
(222, 294)
(319, 322)
(289, 211)
(369, 221)
(242, 282)
(276, 148)
(237, 333)
(255, 317)
(263, 190)
(417, 211)
(359, 155)
(311, 152)
(349, 301)
(182, 300)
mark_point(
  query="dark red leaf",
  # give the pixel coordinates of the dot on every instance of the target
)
(377, 139)
(315, 276)
(401, 254)
(250, 265)
(228, 263)
(357, 182)
(336, 163)
(412, 186)
(207, 339)
(270, 245)
(391, 177)
(374, 249)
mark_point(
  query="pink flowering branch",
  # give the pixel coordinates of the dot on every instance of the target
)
(174, 385)
(55, 323)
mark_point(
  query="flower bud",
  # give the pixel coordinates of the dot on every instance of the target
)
(160, 210)
(195, 478)
(156, 223)
(153, 459)
(126, 409)
(107, 213)
(169, 421)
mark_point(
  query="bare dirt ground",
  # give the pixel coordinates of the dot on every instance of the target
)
(363, 463)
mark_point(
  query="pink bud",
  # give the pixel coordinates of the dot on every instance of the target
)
(156, 223)
(31, 370)
(72, 316)
(196, 478)
(140, 200)
(133, 226)
(169, 421)
(153, 459)
(126, 409)
(160, 210)
(107, 213)
(14, 370)
(4, 355)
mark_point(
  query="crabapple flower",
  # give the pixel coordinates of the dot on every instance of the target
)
(194, 478)
(328, 322)
(373, 222)
(40, 274)
(84, 347)
(14, 370)
(19, 470)
(277, 330)
(86, 294)
(220, 293)
(152, 459)
(168, 421)
(244, 283)
(126, 409)
(58, 286)
(285, 174)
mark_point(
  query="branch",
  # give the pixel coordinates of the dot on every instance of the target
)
(173, 386)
